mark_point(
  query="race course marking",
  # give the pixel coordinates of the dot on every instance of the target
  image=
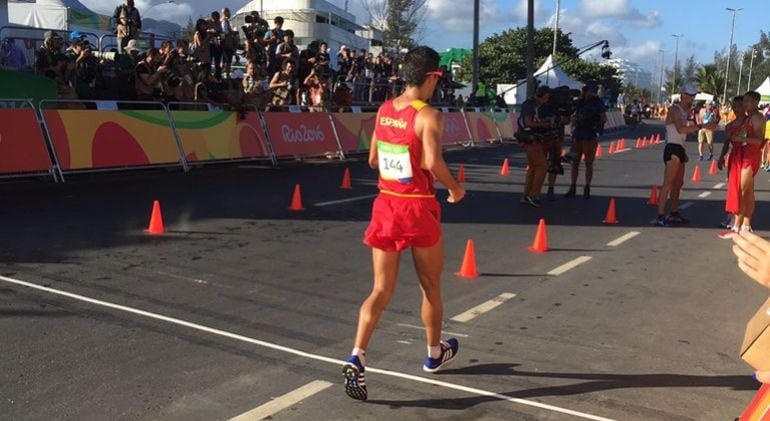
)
(623, 239)
(569, 265)
(282, 402)
(483, 308)
(459, 335)
(352, 199)
(292, 351)
(686, 205)
(718, 186)
(704, 194)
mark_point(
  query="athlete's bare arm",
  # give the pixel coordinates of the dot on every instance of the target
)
(758, 122)
(429, 125)
(374, 160)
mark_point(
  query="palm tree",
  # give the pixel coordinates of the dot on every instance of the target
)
(710, 79)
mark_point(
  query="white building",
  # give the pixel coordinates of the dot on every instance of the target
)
(632, 73)
(317, 19)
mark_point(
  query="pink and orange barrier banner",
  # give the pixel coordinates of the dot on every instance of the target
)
(455, 129)
(355, 130)
(483, 127)
(91, 139)
(22, 146)
(509, 125)
(300, 133)
(220, 135)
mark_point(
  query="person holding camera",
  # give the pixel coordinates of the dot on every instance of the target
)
(532, 127)
(202, 45)
(587, 124)
(254, 29)
(149, 77)
(283, 84)
(128, 22)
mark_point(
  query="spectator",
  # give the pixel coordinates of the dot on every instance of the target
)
(148, 76)
(52, 45)
(128, 22)
(133, 51)
(342, 97)
(202, 45)
(272, 39)
(287, 49)
(283, 84)
(12, 55)
(229, 41)
(256, 91)
(254, 31)
(61, 70)
(215, 28)
(318, 89)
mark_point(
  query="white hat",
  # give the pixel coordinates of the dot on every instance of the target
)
(689, 88)
(132, 45)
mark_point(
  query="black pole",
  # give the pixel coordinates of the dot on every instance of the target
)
(530, 48)
(475, 81)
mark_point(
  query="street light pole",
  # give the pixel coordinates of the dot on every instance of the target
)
(740, 72)
(729, 51)
(660, 81)
(475, 78)
(751, 67)
(530, 48)
(556, 28)
(676, 61)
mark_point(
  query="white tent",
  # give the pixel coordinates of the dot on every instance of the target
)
(764, 90)
(63, 15)
(3, 13)
(549, 74)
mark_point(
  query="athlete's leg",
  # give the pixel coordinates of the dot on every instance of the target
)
(710, 141)
(701, 140)
(577, 148)
(385, 280)
(672, 168)
(747, 195)
(590, 152)
(428, 262)
(676, 189)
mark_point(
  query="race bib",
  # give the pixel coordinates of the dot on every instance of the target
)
(394, 162)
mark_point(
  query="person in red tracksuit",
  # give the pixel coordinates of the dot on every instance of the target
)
(406, 150)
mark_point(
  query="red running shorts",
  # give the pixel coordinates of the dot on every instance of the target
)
(399, 223)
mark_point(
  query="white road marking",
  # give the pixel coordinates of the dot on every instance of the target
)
(623, 239)
(404, 342)
(569, 265)
(282, 402)
(197, 281)
(718, 186)
(299, 353)
(704, 194)
(686, 205)
(459, 335)
(352, 199)
(483, 308)
(622, 150)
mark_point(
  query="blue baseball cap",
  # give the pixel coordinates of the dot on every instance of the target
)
(76, 36)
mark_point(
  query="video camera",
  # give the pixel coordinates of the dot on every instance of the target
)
(563, 100)
(254, 25)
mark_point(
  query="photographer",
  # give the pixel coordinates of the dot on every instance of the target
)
(284, 84)
(148, 78)
(128, 22)
(229, 41)
(216, 44)
(272, 39)
(532, 128)
(558, 111)
(318, 89)
(254, 31)
(587, 124)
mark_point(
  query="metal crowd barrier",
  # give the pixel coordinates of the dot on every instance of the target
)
(24, 150)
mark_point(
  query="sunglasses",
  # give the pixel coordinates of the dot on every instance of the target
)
(438, 73)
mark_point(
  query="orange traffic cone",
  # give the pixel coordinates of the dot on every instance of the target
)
(504, 169)
(599, 151)
(346, 180)
(296, 200)
(540, 244)
(653, 196)
(461, 174)
(644, 143)
(638, 143)
(156, 220)
(611, 218)
(612, 148)
(644, 139)
(468, 267)
(621, 144)
(696, 175)
(657, 138)
(713, 169)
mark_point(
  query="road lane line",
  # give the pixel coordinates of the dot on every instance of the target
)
(282, 402)
(352, 199)
(299, 353)
(686, 205)
(704, 194)
(718, 186)
(459, 335)
(620, 240)
(483, 308)
(569, 265)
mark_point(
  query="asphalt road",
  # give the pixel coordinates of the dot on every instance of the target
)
(246, 306)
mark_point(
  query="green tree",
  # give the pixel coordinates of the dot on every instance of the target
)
(710, 79)
(690, 69)
(502, 56)
(400, 20)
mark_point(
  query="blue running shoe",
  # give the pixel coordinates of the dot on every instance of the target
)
(448, 353)
(355, 384)
(662, 222)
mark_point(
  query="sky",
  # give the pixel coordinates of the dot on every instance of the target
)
(636, 29)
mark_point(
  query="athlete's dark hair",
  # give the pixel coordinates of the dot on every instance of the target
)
(418, 62)
(753, 95)
(738, 98)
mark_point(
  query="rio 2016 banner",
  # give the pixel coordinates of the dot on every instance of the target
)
(483, 127)
(455, 128)
(22, 147)
(221, 135)
(300, 133)
(355, 130)
(90, 139)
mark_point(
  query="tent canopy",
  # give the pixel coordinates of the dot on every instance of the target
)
(551, 75)
(764, 90)
(454, 55)
(64, 15)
